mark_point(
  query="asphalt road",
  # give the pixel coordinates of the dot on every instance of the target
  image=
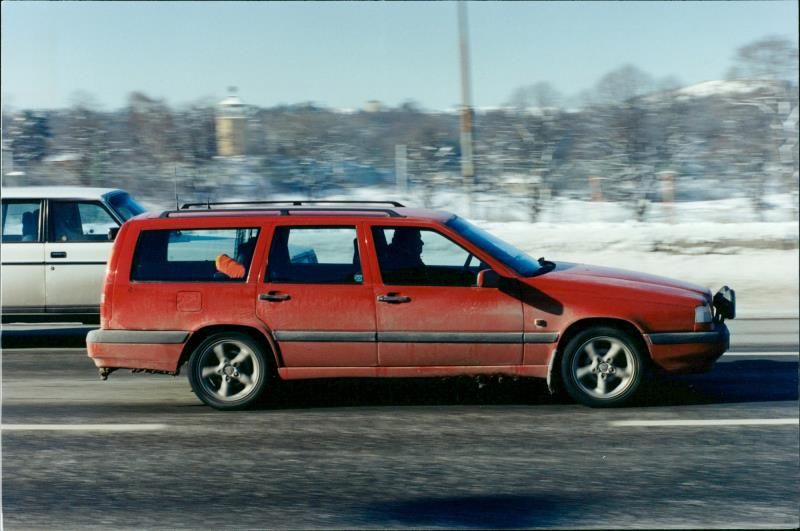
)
(140, 451)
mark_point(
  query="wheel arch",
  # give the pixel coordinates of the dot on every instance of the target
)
(261, 336)
(554, 383)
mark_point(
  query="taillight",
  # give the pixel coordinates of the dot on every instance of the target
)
(106, 298)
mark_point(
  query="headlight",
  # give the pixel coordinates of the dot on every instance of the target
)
(702, 314)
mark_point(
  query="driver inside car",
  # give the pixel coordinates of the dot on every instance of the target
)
(405, 251)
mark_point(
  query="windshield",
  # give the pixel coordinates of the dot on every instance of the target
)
(517, 260)
(125, 206)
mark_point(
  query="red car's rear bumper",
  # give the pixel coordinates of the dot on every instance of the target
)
(156, 350)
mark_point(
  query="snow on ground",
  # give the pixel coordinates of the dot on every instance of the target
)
(758, 260)
(711, 243)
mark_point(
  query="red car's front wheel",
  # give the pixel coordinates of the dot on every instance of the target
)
(602, 367)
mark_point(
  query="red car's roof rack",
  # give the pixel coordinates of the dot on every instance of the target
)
(273, 206)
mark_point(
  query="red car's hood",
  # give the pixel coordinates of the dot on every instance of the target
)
(589, 274)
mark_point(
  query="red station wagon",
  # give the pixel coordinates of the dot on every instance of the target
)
(247, 291)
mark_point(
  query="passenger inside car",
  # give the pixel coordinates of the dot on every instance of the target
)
(30, 222)
(66, 222)
(244, 252)
(229, 267)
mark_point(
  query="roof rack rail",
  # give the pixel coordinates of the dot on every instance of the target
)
(287, 211)
(292, 202)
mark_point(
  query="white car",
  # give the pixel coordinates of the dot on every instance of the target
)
(56, 242)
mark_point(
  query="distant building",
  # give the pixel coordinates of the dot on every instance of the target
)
(373, 106)
(231, 126)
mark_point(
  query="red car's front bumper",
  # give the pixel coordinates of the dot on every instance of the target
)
(689, 351)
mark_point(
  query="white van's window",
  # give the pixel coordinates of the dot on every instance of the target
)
(194, 255)
(72, 221)
(20, 221)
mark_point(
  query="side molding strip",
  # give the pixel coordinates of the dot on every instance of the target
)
(680, 338)
(325, 337)
(449, 337)
(415, 337)
(164, 337)
(540, 337)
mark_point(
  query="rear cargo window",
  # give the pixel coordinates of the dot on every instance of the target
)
(197, 255)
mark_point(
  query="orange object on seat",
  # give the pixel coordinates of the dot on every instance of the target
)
(229, 266)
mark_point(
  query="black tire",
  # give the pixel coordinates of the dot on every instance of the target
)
(602, 367)
(229, 371)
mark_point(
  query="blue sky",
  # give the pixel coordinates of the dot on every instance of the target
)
(342, 54)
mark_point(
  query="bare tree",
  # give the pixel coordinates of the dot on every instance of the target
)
(774, 153)
(541, 94)
(667, 83)
(152, 129)
(623, 84)
(28, 134)
(773, 58)
(196, 134)
(87, 139)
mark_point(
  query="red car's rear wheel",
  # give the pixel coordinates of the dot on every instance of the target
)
(228, 371)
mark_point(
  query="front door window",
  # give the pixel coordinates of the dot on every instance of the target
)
(79, 222)
(414, 256)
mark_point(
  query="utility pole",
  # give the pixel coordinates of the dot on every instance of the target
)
(467, 165)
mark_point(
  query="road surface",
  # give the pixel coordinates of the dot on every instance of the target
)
(141, 452)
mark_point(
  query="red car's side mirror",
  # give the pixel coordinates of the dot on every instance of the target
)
(487, 278)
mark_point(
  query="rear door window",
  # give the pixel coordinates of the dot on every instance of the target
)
(314, 255)
(194, 255)
(21, 221)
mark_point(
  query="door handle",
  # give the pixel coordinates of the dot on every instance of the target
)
(58, 254)
(274, 296)
(394, 298)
